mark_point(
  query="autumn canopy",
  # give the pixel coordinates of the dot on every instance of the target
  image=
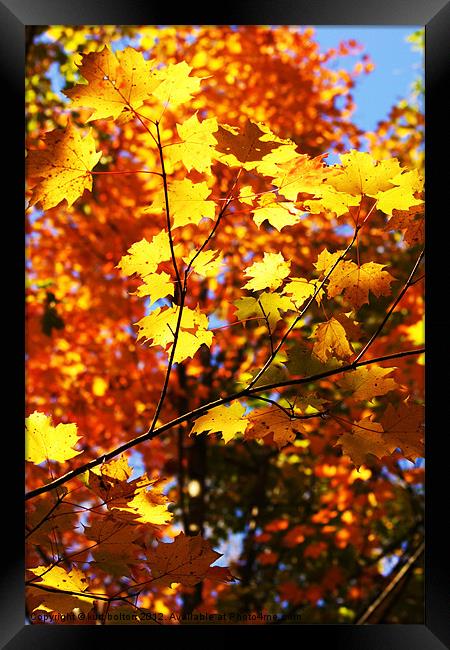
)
(224, 330)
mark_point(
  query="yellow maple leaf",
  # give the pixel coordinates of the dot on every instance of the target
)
(187, 202)
(367, 382)
(271, 163)
(58, 579)
(327, 199)
(156, 286)
(246, 194)
(206, 263)
(366, 438)
(228, 420)
(115, 82)
(355, 282)
(143, 505)
(61, 171)
(176, 85)
(401, 197)
(331, 341)
(159, 328)
(197, 149)
(301, 174)
(144, 256)
(360, 174)
(117, 469)
(326, 260)
(275, 422)
(278, 214)
(301, 290)
(140, 500)
(269, 273)
(268, 305)
(45, 442)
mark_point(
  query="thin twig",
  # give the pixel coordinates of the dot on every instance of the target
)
(391, 309)
(44, 519)
(289, 412)
(166, 199)
(302, 313)
(266, 318)
(128, 171)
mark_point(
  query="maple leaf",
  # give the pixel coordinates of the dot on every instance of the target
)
(275, 422)
(367, 382)
(114, 550)
(156, 286)
(58, 579)
(404, 428)
(411, 221)
(247, 146)
(146, 506)
(115, 82)
(159, 328)
(229, 420)
(62, 171)
(396, 198)
(45, 520)
(355, 282)
(186, 560)
(326, 260)
(327, 199)
(197, 149)
(301, 290)
(246, 194)
(272, 304)
(140, 500)
(187, 202)
(301, 361)
(352, 328)
(402, 196)
(144, 256)
(117, 469)
(301, 174)
(392, 186)
(206, 263)
(360, 174)
(267, 274)
(278, 214)
(176, 85)
(331, 341)
(46, 442)
(366, 438)
(275, 373)
(272, 163)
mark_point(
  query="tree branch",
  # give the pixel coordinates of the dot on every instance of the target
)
(166, 198)
(392, 584)
(195, 413)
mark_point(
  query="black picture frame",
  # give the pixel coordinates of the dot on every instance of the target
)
(15, 15)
